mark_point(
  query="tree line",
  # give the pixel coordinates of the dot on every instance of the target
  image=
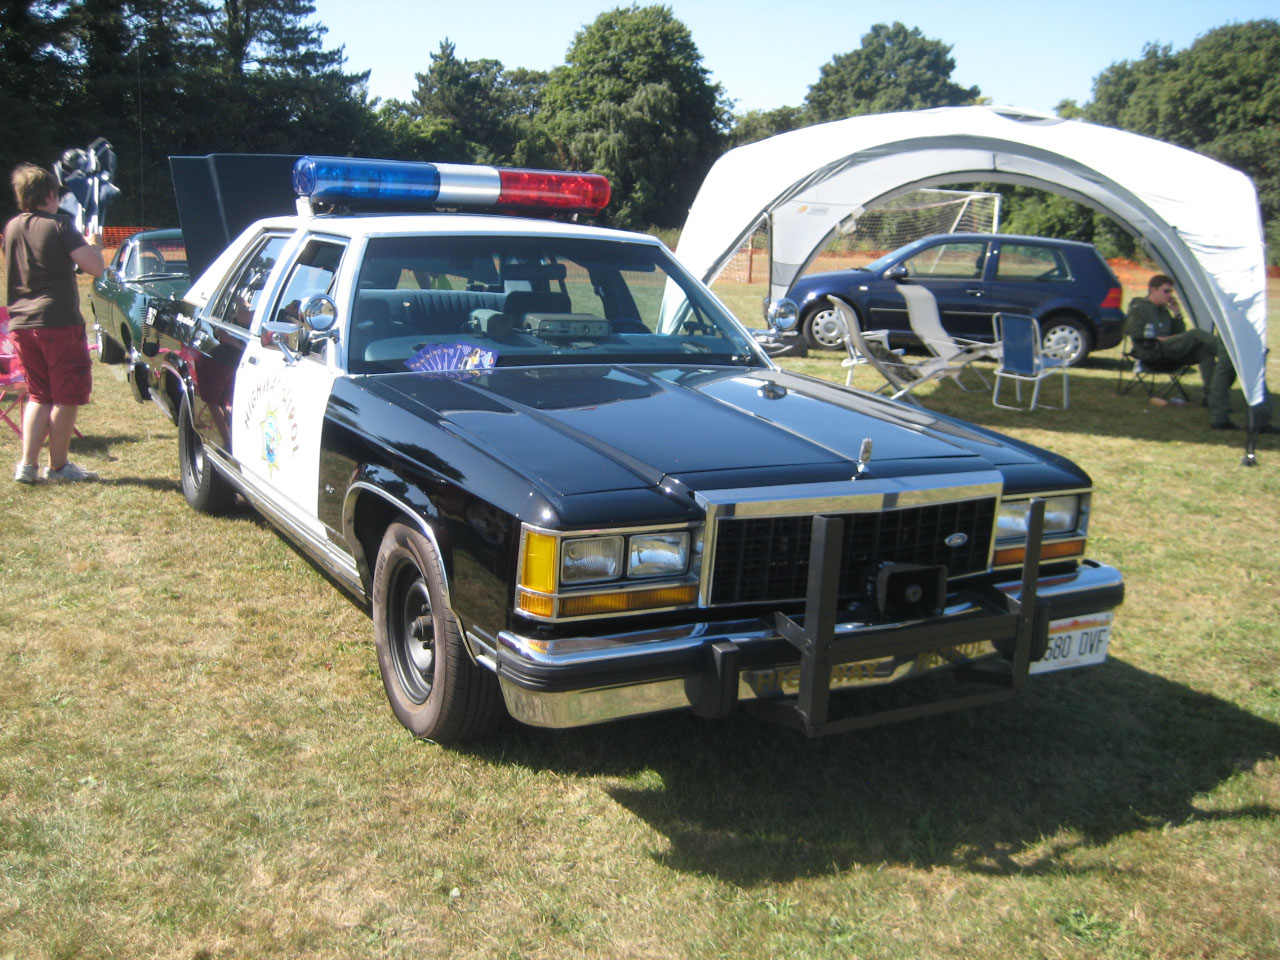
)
(632, 100)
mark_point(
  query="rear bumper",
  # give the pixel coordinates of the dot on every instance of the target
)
(1110, 329)
(578, 681)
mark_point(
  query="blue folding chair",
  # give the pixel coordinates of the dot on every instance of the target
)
(1022, 361)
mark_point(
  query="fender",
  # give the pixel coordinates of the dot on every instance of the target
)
(409, 500)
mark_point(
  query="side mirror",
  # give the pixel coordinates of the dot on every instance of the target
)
(320, 314)
(897, 272)
(783, 314)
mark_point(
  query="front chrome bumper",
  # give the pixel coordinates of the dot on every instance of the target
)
(583, 680)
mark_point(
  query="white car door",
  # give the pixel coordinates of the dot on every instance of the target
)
(281, 398)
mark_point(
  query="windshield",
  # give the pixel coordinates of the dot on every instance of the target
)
(451, 303)
(155, 258)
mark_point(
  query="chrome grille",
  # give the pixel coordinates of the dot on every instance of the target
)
(766, 559)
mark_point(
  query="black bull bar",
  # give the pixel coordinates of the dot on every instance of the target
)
(1016, 626)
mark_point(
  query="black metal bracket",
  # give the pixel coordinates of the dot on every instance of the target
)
(1009, 623)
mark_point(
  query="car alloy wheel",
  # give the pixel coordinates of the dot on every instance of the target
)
(823, 330)
(1066, 340)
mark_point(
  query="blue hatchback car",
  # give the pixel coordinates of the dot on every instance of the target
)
(1064, 284)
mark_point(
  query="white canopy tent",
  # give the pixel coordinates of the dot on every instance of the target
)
(1198, 218)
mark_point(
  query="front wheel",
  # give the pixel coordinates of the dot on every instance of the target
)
(206, 490)
(822, 329)
(435, 689)
(1067, 339)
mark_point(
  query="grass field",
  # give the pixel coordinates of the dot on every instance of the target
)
(197, 760)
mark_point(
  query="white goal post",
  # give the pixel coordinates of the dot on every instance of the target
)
(867, 234)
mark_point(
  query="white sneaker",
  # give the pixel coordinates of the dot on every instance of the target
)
(69, 473)
(26, 473)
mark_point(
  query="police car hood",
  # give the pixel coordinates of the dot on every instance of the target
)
(592, 429)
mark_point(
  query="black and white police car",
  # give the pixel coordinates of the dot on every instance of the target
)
(570, 486)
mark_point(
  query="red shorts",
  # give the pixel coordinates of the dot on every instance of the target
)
(57, 364)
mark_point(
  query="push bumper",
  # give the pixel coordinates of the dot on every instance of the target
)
(711, 667)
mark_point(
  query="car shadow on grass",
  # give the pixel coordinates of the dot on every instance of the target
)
(1085, 757)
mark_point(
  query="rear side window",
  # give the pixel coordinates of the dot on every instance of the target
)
(1031, 261)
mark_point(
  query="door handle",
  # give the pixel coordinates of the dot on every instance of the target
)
(974, 293)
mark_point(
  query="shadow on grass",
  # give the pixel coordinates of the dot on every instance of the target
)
(1085, 757)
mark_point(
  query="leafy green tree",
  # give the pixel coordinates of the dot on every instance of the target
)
(471, 111)
(895, 68)
(1220, 96)
(35, 73)
(634, 102)
(761, 124)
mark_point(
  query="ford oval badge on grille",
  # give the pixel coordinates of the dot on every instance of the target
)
(957, 540)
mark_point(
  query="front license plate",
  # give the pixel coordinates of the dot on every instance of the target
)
(1076, 642)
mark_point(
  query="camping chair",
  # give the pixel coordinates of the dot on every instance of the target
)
(902, 376)
(1022, 361)
(922, 315)
(1144, 373)
(13, 382)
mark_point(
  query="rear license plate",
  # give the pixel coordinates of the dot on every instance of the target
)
(1076, 642)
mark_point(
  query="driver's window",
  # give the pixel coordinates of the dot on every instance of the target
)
(129, 266)
(238, 300)
(964, 261)
(311, 274)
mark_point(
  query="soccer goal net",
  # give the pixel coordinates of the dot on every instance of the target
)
(862, 237)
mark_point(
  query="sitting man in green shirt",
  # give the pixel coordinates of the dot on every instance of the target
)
(1158, 334)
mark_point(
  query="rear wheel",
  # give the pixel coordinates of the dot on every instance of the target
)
(1067, 339)
(822, 329)
(434, 687)
(206, 490)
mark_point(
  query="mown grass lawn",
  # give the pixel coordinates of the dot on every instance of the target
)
(197, 760)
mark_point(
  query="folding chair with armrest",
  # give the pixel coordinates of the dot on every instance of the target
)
(926, 324)
(1143, 373)
(13, 382)
(1022, 361)
(902, 376)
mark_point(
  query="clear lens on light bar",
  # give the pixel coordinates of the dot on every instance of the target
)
(398, 183)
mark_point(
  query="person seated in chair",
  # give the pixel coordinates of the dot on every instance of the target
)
(1159, 335)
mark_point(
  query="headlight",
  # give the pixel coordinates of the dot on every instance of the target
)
(1061, 515)
(564, 576)
(591, 558)
(1066, 519)
(658, 555)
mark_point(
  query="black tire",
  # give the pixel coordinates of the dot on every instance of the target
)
(109, 351)
(206, 490)
(820, 326)
(1066, 338)
(435, 689)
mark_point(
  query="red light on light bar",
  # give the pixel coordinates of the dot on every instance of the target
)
(583, 192)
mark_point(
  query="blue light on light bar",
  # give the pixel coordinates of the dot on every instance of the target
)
(348, 179)
(404, 185)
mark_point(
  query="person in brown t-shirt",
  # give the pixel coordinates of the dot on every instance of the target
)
(42, 248)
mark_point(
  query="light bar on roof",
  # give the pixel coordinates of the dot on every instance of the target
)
(403, 185)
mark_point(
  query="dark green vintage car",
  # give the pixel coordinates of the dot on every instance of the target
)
(149, 265)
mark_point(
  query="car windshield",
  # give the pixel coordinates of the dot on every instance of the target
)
(156, 258)
(451, 303)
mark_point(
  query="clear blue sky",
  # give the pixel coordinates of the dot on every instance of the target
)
(766, 55)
